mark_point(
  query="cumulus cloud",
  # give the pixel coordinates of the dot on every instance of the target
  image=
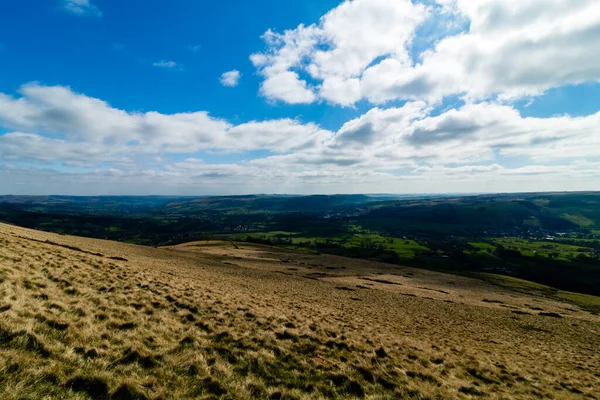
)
(363, 49)
(18, 146)
(385, 149)
(287, 86)
(286, 51)
(231, 78)
(501, 129)
(81, 7)
(511, 50)
(336, 50)
(76, 118)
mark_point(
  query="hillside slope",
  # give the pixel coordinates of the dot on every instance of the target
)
(83, 318)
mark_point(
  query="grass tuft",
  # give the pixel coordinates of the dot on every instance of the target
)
(128, 392)
(94, 387)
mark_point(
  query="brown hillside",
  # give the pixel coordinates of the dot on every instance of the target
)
(83, 318)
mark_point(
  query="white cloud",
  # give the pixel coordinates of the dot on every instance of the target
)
(478, 147)
(401, 135)
(340, 91)
(81, 7)
(357, 32)
(501, 129)
(18, 146)
(194, 177)
(407, 138)
(414, 53)
(473, 133)
(166, 64)
(231, 78)
(77, 118)
(286, 51)
(361, 49)
(336, 50)
(287, 86)
(512, 49)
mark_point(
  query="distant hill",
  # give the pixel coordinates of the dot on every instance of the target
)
(305, 204)
(492, 212)
(501, 212)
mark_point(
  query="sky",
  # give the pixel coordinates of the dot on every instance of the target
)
(140, 97)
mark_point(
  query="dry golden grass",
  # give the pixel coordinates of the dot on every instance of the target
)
(82, 318)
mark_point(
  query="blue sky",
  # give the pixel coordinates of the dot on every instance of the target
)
(112, 57)
(301, 96)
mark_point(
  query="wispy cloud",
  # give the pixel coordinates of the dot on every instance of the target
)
(167, 64)
(195, 48)
(231, 78)
(83, 8)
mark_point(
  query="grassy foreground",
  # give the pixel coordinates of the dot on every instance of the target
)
(585, 301)
(88, 319)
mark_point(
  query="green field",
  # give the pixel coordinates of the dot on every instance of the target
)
(482, 249)
(549, 249)
(536, 248)
(405, 249)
